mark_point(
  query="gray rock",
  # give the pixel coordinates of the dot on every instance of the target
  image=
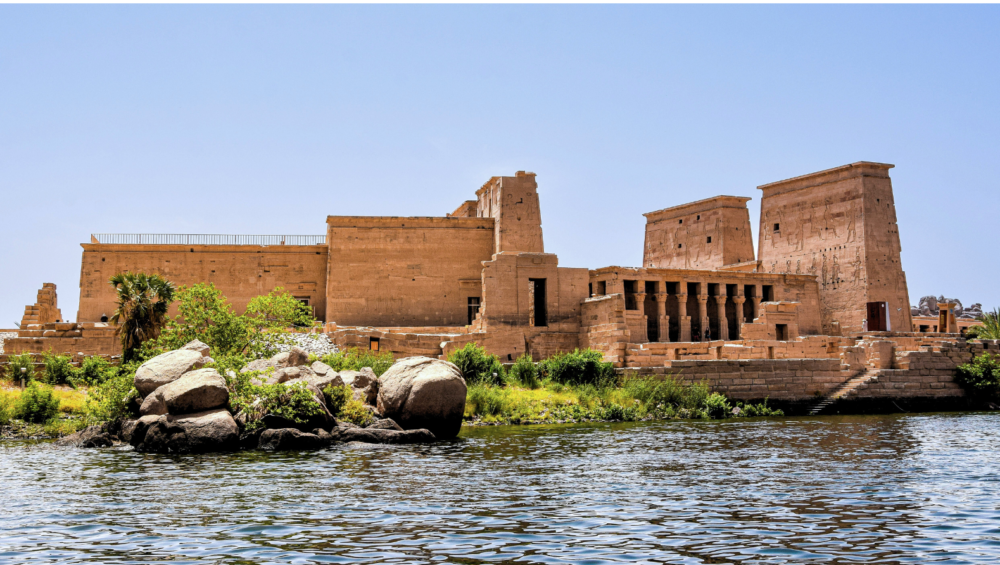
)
(289, 439)
(364, 383)
(321, 368)
(297, 356)
(165, 369)
(92, 436)
(212, 430)
(258, 365)
(134, 431)
(376, 435)
(197, 346)
(420, 392)
(196, 391)
(153, 404)
(385, 424)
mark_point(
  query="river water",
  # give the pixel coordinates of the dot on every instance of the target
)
(853, 489)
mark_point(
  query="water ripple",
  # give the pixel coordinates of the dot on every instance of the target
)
(913, 489)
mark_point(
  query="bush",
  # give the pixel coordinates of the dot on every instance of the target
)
(94, 370)
(113, 399)
(524, 372)
(579, 367)
(717, 406)
(37, 404)
(58, 370)
(14, 365)
(477, 365)
(294, 402)
(981, 377)
(337, 397)
(354, 359)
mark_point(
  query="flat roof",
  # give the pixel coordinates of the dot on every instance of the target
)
(712, 203)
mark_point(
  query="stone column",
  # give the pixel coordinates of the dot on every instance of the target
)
(683, 318)
(664, 320)
(740, 320)
(720, 301)
(703, 313)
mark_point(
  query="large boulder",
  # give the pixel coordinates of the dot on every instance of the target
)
(364, 383)
(290, 439)
(212, 430)
(196, 391)
(92, 436)
(165, 369)
(153, 404)
(420, 392)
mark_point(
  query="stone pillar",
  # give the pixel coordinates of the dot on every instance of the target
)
(664, 320)
(720, 301)
(740, 319)
(683, 318)
(703, 313)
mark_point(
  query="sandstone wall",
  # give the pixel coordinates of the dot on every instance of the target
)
(405, 271)
(241, 272)
(840, 226)
(701, 235)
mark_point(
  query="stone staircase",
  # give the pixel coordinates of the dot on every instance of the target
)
(844, 390)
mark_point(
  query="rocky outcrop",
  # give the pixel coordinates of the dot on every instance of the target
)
(420, 392)
(364, 383)
(165, 369)
(212, 430)
(153, 404)
(92, 436)
(195, 391)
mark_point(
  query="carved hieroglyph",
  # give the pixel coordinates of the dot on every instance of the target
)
(842, 223)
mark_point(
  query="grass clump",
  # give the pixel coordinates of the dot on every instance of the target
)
(354, 359)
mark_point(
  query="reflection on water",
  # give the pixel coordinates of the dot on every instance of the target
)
(884, 489)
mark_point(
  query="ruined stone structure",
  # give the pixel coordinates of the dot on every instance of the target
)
(839, 225)
(822, 310)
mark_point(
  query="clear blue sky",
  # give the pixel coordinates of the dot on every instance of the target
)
(265, 119)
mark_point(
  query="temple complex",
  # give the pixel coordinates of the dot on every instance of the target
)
(825, 284)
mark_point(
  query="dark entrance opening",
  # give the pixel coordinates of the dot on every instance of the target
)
(651, 309)
(539, 317)
(473, 308)
(781, 332)
(877, 314)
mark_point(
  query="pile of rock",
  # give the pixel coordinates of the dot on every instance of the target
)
(185, 406)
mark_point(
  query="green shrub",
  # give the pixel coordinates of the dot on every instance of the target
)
(579, 367)
(524, 372)
(37, 404)
(477, 365)
(337, 397)
(58, 369)
(94, 370)
(717, 406)
(113, 399)
(294, 402)
(356, 413)
(981, 377)
(354, 359)
(14, 365)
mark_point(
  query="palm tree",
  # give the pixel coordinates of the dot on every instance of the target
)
(143, 301)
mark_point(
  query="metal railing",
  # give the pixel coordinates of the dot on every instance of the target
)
(204, 239)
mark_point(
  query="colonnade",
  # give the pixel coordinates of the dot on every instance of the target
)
(709, 305)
